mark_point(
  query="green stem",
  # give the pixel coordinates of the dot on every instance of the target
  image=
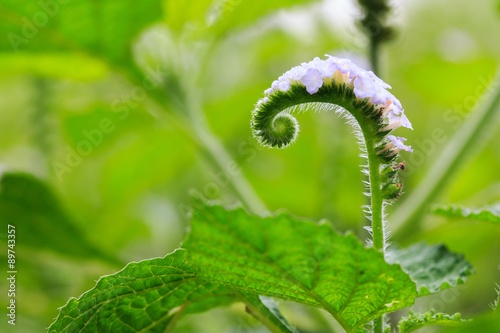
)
(377, 201)
(222, 160)
(192, 122)
(40, 124)
(374, 54)
(464, 143)
(377, 212)
(376, 198)
(265, 314)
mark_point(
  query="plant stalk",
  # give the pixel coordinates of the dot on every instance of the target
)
(465, 142)
(191, 120)
(376, 203)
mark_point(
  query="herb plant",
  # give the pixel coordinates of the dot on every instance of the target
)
(243, 253)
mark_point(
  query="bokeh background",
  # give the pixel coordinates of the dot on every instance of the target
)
(116, 111)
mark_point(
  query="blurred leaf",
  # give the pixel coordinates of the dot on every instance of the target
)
(74, 66)
(489, 322)
(104, 29)
(194, 13)
(486, 214)
(236, 14)
(146, 296)
(297, 260)
(432, 267)
(40, 222)
(415, 321)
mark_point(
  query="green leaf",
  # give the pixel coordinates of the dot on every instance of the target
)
(415, 321)
(293, 259)
(104, 28)
(432, 267)
(236, 14)
(486, 214)
(148, 296)
(488, 322)
(40, 222)
(181, 13)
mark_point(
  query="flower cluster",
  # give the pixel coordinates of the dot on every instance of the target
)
(365, 85)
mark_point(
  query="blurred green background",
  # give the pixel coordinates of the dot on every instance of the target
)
(120, 108)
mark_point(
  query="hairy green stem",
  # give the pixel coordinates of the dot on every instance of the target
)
(376, 200)
(377, 211)
(459, 149)
(376, 197)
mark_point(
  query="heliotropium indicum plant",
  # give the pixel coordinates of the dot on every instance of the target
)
(232, 256)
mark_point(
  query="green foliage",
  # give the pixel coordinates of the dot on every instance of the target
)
(148, 296)
(105, 30)
(486, 214)
(432, 268)
(298, 260)
(233, 256)
(232, 15)
(488, 322)
(126, 194)
(415, 321)
(29, 205)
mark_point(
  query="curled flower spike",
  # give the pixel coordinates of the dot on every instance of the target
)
(338, 84)
(333, 80)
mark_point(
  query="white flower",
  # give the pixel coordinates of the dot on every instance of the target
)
(313, 80)
(398, 142)
(284, 86)
(364, 87)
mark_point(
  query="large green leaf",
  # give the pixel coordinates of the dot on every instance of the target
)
(432, 267)
(486, 214)
(415, 321)
(104, 28)
(148, 296)
(40, 222)
(293, 259)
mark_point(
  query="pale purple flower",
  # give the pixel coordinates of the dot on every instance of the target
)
(312, 80)
(296, 73)
(378, 80)
(405, 122)
(262, 101)
(364, 87)
(398, 118)
(343, 65)
(398, 142)
(284, 86)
